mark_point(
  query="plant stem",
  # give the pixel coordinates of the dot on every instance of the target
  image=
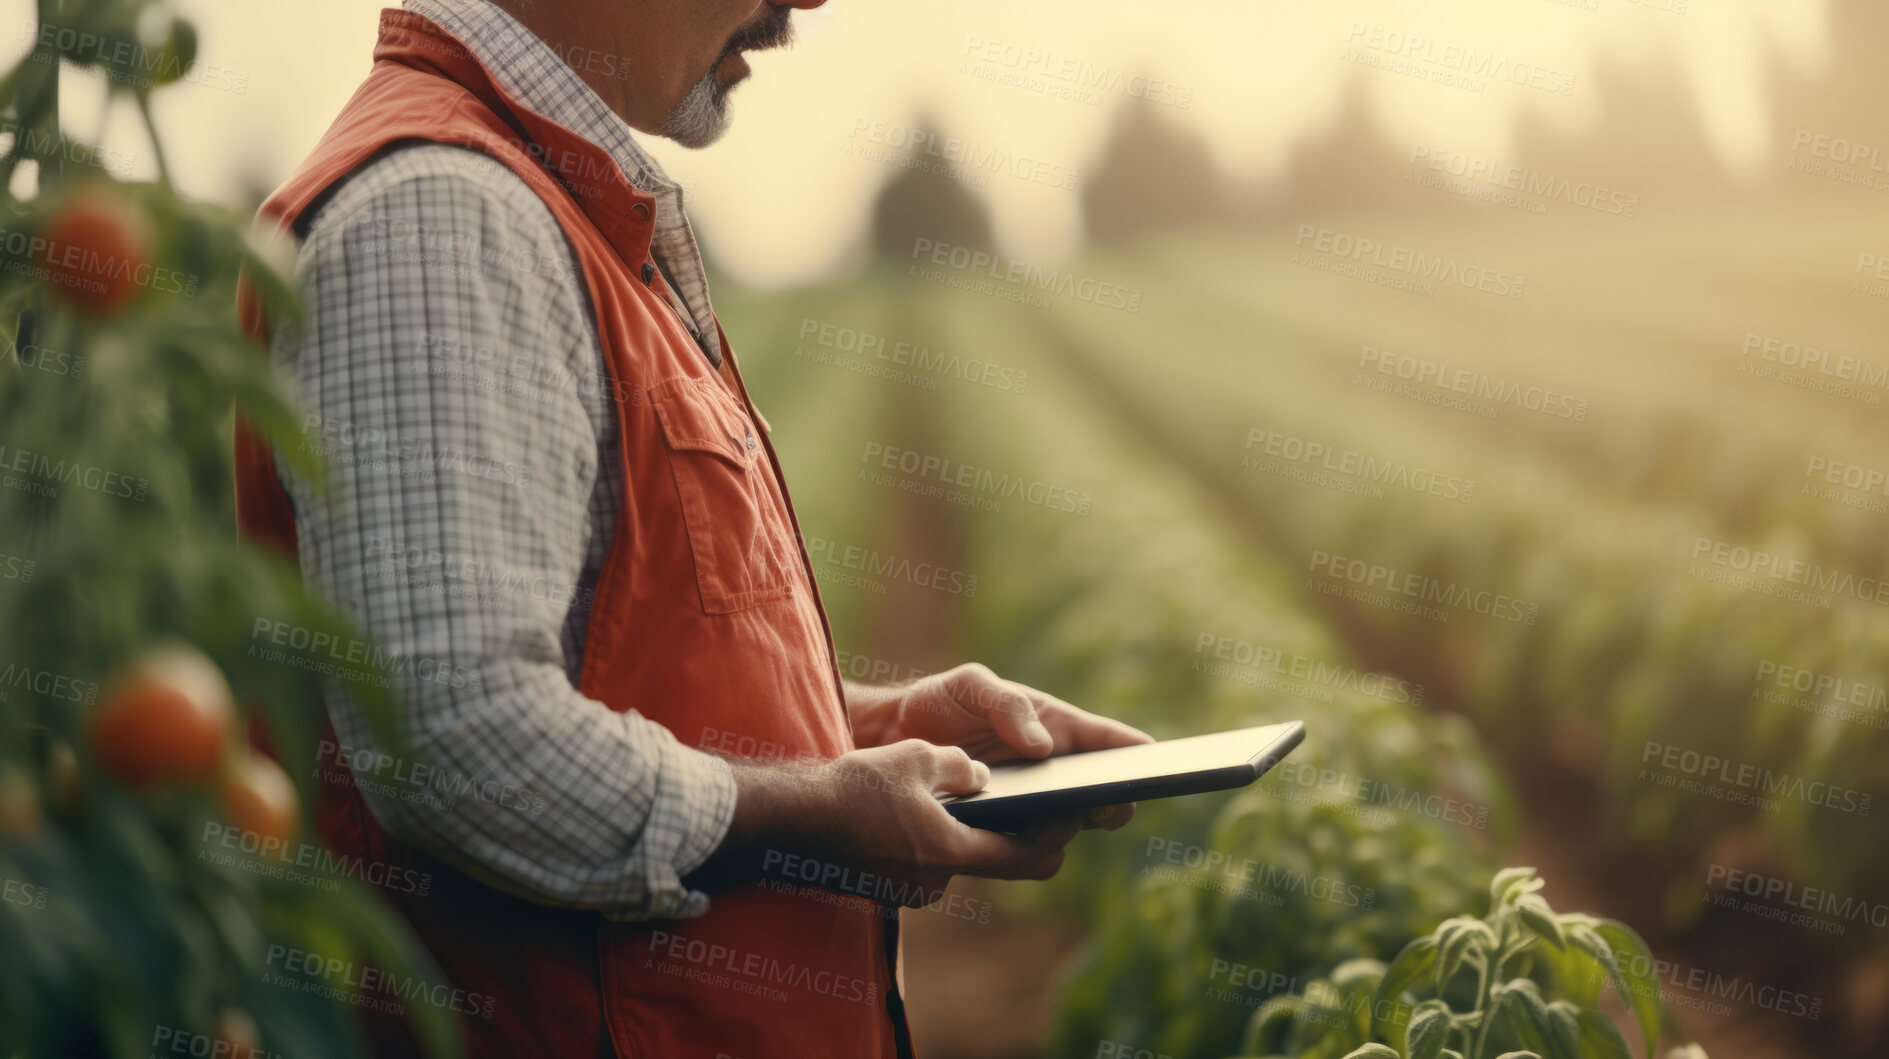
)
(1491, 971)
(49, 15)
(157, 145)
(1485, 983)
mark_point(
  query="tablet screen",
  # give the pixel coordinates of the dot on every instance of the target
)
(1172, 759)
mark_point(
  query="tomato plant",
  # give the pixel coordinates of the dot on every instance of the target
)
(132, 674)
(1520, 981)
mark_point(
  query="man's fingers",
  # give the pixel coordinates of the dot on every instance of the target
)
(995, 856)
(1013, 717)
(954, 772)
(1008, 707)
(1076, 729)
(1109, 817)
(1054, 833)
(1089, 731)
(1042, 868)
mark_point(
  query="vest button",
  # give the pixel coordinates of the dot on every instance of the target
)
(641, 209)
(750, 440)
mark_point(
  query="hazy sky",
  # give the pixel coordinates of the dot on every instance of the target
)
(781, 197)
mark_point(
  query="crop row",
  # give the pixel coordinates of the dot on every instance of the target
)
(1714, 683)
(1149, 605)
(1753, 399)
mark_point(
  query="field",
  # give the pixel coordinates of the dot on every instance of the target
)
(1572, 559)
(1366, 398)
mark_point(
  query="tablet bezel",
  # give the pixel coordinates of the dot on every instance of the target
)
(995, 812)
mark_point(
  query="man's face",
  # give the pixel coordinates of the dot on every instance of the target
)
(665, 66)
(705, 60)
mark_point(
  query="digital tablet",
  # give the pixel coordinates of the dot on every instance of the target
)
(1022, 791)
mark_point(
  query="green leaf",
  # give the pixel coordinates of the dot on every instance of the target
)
(1518, 1055)
(1429, 1030)
(1635, 962)
(1539, 918)
(1266, 1031)
(1582, 983)
(1565, 1029)
(1509, 877)
(391, 946)
(275, 418)
(268, 261)
(1358, 972)
(1600, 1038)
(1520, 1003)
(1417, 959)
(1373, 1051)
(1456, 939)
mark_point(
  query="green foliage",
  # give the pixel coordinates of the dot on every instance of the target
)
(1520, 980)
(126, 921)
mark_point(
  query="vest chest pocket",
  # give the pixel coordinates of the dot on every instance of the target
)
(737, 532)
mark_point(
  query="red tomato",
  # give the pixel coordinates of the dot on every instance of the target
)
(165, 718)
(259, 797)
(96, 246)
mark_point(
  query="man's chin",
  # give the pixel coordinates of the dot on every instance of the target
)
(701, 118)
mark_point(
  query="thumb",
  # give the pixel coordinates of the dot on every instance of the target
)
(954, 772)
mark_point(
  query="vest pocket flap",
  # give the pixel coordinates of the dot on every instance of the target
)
(698, 414)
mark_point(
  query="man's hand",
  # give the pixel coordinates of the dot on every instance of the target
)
(875, 809)
(991, 718)
(898, 828)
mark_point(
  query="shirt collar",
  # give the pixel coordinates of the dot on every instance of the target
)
(531, 72)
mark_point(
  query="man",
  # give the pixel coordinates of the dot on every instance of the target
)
(553, 505)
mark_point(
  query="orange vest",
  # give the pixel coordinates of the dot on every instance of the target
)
(706, 619)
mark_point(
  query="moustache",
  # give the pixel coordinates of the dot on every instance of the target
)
(771, 32)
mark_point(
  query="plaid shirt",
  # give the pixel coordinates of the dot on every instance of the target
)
(452, 376)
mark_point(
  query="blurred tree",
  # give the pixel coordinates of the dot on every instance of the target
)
(1840, 99)
(1648, 140)
(927, 199)
(1153, 176)
(1349, 165)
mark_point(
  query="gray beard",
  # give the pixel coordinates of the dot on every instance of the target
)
(702, 116)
